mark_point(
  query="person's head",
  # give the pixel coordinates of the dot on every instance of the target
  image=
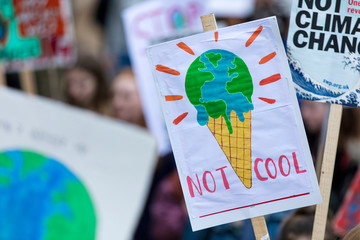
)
(299, 225)
(349, 136)
(314, 114)
(126, 104)
(354, 234)
(85, 85)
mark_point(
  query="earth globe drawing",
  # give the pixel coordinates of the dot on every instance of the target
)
(219, 85)
(40, 199)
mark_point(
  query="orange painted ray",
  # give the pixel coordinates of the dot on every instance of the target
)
(254, 36)
(168, 70)
(267, 58)
(270, 79)
(216, 36)
(180, 118)
(173, 97)
(268, 100)
(185, 47)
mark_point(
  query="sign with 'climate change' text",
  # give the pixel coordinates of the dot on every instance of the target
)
(324, 50)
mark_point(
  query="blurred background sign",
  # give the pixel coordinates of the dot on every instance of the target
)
(39, 33)
(232, 8)
(147, 22)
(68, 172)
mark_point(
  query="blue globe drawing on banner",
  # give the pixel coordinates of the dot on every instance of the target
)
(41, 199)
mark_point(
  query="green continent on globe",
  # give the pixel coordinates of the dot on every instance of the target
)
(217, 83)
(42, 198)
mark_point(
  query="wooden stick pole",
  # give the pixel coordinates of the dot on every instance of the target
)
(327, 170)
(2, 75)
(259, 224)
(208, 22)
(260, 228)
(27, 80)
(321, 144)
(53, 77)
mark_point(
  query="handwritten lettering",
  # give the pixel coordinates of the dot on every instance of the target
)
(271, 168)
(208, 181)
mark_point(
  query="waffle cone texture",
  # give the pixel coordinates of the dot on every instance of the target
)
(236, 146)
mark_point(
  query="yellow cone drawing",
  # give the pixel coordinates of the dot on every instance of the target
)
(219, 85)
(236, 146)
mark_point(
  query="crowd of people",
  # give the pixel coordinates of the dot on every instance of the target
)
(91, 85)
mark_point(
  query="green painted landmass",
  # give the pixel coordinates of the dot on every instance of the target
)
(218, 82)
(214, 58)
(32, 161)
(242, 82)
(82, 221)
(5, 162)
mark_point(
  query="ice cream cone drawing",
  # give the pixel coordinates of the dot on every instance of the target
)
(234, 124)
(218, 84)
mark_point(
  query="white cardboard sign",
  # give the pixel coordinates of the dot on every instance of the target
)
(234, 123)
(69, 172)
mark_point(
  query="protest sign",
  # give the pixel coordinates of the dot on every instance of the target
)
(36, 34)
(348, 216)
(147, 22)
(324, 50)
(324, 56)
(229, 105)
(68, 172)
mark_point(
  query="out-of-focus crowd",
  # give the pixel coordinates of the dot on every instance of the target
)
(103, 81)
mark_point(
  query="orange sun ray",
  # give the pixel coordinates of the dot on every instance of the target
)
(168, 70)
(267, 58)
(270, 79)
(216, 36)
(254, 36)
(173, 97)
(180, 118)
(185, 47)
(268, 100)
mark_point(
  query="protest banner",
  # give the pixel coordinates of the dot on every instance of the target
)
(150, 21)
(324, 51)
(28, 28)
(57, 180)
(27, 80)
(348, 216)
(229, 105)
(324, 57)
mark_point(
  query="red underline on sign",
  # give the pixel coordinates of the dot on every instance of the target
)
(252, 205)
